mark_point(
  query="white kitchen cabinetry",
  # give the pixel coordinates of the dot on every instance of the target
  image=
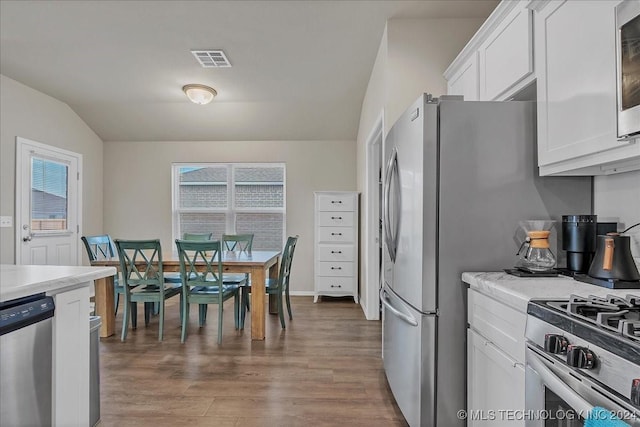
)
(336, 244)
(465, 80)
(575, 66)
(498, 61)
(495, 362)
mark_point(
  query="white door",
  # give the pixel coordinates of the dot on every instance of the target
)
(47, 204)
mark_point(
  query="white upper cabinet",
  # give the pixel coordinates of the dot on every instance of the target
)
(465, 80)
(575, 66)
(498, 61)
(506, 56)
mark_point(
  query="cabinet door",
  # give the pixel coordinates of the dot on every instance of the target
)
(506, 57)
(576, 88)
(465, 81)
(495, 385)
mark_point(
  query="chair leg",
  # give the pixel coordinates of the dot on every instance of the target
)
(125, 320)
(185, 320)
(116, 300)
(236, 309)
(161, 320)
(243, 304)
(220, 313)
(148, 308)
(288, 304)
(134, 315)
(156, 308)
(281, 310)
(202, 314)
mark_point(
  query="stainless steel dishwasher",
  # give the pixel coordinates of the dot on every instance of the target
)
(26, 361)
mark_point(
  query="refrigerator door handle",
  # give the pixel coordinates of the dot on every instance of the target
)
(407, 318)
(388, 237)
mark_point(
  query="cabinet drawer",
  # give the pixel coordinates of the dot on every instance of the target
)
(336, 253)
(500, 324)
(336, 202)
(335, 219)
(335, 268)
(336, 234)
(335, 284)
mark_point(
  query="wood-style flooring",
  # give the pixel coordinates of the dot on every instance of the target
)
(324, 369)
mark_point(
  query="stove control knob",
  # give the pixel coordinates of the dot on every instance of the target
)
(580, 357)
(556, 344)
(635, 392)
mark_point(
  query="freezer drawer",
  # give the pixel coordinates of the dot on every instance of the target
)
(409, 359)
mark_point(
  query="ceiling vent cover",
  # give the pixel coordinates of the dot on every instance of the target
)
(211, 58)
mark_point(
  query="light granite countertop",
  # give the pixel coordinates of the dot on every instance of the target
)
(517, 291)
(18, 281)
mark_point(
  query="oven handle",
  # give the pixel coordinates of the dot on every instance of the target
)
(563, 391)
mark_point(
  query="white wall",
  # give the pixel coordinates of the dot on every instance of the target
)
(137, 191)
(30, 114)
(412, 57)
(618, 197)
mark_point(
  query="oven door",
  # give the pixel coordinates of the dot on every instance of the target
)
(557, 395)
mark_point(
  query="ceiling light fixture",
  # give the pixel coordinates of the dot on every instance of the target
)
(199, 94)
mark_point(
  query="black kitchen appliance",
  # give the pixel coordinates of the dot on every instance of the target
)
(579, 240)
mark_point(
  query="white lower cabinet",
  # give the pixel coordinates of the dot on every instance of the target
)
(336, 244)
(495, 363)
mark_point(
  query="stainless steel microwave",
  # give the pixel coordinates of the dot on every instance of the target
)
(628, 68)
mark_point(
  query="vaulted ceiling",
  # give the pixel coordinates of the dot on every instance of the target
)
(299, 68)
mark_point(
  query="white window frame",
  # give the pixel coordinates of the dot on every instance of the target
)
(230, 211)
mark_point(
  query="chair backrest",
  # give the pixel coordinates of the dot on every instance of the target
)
(209, 258)
(141, 263)
(285, 264)
(197, 236)
(99, 247)
(237, 242)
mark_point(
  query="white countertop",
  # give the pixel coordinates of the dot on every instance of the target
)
(18, 281)
(517, 291)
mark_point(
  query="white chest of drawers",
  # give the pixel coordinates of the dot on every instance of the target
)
(336, 244)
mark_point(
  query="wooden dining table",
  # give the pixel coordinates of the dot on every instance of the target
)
(259, 264)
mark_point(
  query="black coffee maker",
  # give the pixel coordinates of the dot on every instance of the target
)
(579, 240)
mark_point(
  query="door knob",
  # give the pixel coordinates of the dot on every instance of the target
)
(27, 239)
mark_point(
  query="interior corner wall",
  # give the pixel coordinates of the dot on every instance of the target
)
(31, 114)
(144, 210)
(412, 56)
(419, 51)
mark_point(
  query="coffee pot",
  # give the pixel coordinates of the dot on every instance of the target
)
(613, 259)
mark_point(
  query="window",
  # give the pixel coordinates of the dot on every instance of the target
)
(49, 182)
(233, 198)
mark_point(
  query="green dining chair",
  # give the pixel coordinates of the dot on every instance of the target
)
(237, 242)
(203, 282)
(278, 286)
(143, 280)
(174, 277)
(101, 247)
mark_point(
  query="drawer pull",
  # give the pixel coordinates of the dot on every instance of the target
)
(336, 201)
(336, 268)
(336, 252)
(336, 286)
(336, 217)
(336, 234)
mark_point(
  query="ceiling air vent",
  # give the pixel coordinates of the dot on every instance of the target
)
(211, 58)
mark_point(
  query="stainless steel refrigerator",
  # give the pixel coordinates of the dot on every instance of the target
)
(458, 177)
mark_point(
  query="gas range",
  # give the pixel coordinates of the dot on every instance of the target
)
(594, 338)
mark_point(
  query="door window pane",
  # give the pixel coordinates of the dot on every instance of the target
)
(49, 194)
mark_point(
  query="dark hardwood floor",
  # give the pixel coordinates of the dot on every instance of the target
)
(324, 369)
